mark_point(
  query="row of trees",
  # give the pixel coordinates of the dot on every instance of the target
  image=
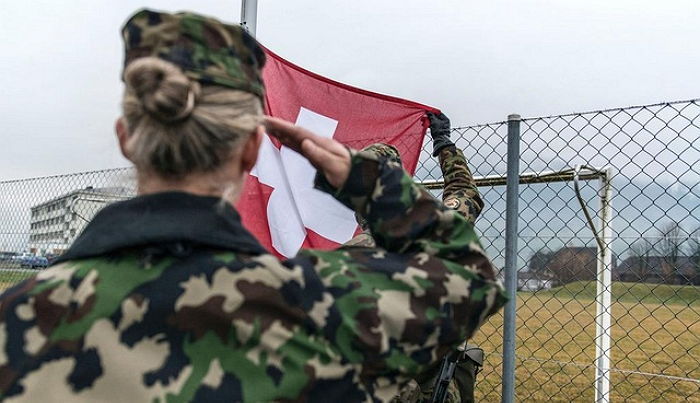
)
(678, 250)
(671, 256)
(565, 265)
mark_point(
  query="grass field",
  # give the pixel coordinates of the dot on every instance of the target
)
(656, 330)
(9, 277)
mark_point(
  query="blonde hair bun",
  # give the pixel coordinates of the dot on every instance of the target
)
(177, 125)
(163, 90)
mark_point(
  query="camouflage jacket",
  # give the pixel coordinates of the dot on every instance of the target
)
(166, 297)
(460, 192)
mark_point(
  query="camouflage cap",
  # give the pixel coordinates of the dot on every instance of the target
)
(207, 50)
(384, 150)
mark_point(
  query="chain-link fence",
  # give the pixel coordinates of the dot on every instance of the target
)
(40, 217)
(654, 247)
(653, 153)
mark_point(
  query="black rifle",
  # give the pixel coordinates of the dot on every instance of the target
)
(447, 372)
(448, 369)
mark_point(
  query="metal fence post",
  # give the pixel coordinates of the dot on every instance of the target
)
(249, 15)
(604, 293)
(511, 256)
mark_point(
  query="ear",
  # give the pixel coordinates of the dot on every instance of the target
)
(122, 136)
(251, 147)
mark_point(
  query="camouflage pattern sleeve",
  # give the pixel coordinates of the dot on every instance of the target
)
(428, 286)
(403, 216)
(460, 193)
(362, 240)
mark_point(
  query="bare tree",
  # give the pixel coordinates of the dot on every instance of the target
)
(694, 253)
(641, 251)
(539, 260)
(670, 246)
(570, 264)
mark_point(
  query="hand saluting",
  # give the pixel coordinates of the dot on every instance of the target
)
(326, 155)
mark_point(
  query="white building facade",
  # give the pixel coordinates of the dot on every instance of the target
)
(528, 281)
(56, 223)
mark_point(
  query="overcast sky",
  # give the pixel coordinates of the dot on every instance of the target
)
(477, 61)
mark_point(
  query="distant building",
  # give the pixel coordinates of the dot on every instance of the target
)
(567, 264)
(530, 281)
(56, 223)
(659, 269)
(574, 263)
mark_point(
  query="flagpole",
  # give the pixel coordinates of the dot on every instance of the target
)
(249, 15)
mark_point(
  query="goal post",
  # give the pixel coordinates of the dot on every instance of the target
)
(602, 233)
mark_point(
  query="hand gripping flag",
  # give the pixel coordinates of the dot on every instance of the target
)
(279, 204)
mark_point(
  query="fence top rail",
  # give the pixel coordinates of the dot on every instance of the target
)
(527, 119)
(94, 172)
(569, 174)
(688, 101)
(481, 125)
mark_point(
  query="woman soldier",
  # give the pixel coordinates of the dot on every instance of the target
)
(168, 297)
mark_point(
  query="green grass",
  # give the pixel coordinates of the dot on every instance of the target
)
(630, 292)
(656, 330)
(8, 277)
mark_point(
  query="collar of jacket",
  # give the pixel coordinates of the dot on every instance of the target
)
(163, 218)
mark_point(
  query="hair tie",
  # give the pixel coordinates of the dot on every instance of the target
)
(189, 107)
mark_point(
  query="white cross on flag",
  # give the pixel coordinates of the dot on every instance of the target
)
(279, 204)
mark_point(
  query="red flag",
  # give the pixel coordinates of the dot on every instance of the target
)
(278, 203)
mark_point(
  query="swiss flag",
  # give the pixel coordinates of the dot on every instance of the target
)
(278, 203)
